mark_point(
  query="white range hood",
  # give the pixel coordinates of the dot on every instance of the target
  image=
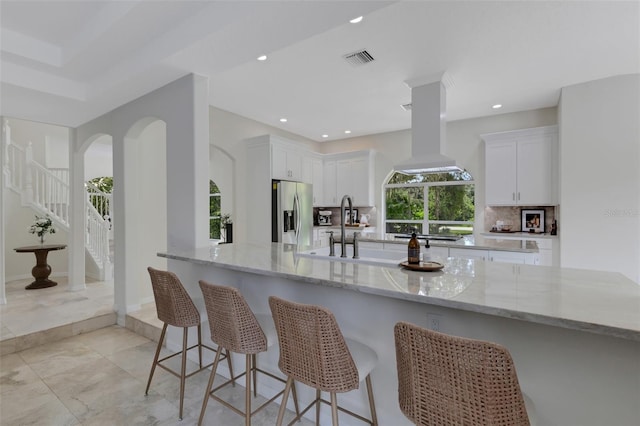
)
(428, 130)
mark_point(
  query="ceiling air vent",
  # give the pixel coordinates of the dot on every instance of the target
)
(406, 107)
(358, 58)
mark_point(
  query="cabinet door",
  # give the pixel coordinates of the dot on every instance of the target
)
(359, 168)
(500, 173)
(317, 176)
(534, 171)
(507, 257)
(294, 165)
(279, 168)
(329, 185)
(344, 178)
(307, 170)
(469, 253)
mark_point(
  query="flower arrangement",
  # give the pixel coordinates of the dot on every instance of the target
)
(42, 226)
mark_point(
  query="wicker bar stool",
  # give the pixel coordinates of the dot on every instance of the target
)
(448, 380)
(236, 328)
(175, 307)
(314, 352)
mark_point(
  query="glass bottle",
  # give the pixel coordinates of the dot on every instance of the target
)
(413, 256)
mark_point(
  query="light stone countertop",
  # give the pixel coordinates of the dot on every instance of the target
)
(469, 242)
(600, 302)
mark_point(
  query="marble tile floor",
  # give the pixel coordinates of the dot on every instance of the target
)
(99, 377)
(34, 317)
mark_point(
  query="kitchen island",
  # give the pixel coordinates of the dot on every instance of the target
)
(574, 334)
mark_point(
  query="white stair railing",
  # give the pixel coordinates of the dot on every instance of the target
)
(14, 162)
(97, 241)
(48, 192)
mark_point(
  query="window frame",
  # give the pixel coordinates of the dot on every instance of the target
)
(214, 217)
(425, 222)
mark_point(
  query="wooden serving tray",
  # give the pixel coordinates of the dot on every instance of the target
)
(423, 266)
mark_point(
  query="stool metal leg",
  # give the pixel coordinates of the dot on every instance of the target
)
(183, 370)
(317, 406)
(209, 385)
(372, 405)
(247, 396)
(228, 355)
(155, 358)
(255, 375)
(283, 404)
(200, 344)
(334, 409)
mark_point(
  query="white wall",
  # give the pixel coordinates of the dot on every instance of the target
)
(599, 221)
(98, 158)
(19, 218)
(227, 131)
(23, 132)
(151, 208)
(463, 143)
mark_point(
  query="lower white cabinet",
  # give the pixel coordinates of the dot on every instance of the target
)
(495, 255)
(469, 253)
(547, 247)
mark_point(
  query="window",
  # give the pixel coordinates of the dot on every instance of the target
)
(430, 203)
(214, 211)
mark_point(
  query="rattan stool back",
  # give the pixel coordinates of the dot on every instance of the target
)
(235, 328)
(448, 380)
(175, 307)
(314, 351)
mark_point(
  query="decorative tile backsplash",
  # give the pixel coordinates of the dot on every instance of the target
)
(511, 216)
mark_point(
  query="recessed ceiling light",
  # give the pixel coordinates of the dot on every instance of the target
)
(283, 120)
(325, 136)
(356, 20)
(497, 106)
(262, 58)
(347, 131)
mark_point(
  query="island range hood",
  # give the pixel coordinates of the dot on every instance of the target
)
(428, 129)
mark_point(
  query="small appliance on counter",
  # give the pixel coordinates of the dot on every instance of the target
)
(324, 217)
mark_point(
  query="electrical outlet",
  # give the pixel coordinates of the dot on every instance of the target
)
(434, 322)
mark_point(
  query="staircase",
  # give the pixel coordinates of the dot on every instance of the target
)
(46, 191)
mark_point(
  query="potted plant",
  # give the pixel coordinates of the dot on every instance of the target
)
(42, 226)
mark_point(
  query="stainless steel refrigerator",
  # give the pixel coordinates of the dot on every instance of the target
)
(292, 212)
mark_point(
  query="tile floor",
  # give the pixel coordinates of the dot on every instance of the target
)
(64, 363)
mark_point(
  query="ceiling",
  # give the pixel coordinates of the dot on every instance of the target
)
(67, 62)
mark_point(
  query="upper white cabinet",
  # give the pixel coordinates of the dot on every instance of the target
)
(286, 161)
(330, 190)
(312, 173)
(521, 167)
(353, 176)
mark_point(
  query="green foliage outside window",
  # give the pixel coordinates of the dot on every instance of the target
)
(214, 211)
(104, 184)
(450, 207)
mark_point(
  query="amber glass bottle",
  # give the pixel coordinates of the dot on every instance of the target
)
(414, 250)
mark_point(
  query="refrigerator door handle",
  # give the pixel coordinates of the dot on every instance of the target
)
(296, 215)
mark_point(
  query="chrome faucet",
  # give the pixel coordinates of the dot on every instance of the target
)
(343, 239)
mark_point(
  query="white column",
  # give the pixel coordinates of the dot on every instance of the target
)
(77, 215)
(5, 140)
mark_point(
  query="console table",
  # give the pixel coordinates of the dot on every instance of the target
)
(42, 270)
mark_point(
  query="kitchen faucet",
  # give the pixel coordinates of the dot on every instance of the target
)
(343, 238)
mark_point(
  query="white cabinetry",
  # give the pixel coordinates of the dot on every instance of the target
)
(353, 175)
(548, 248)
(286, 161)
(312, 173)
(469, 253)
(329, 190)
(521, 167)
(494, 255)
